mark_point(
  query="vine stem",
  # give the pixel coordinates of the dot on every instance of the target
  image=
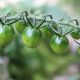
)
(41, 23)
(1, 21)
(76, 21)
(47, 20)
(68, 32)
(74, 26)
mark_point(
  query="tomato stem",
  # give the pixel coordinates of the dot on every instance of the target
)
(77, 23)
(2, 22)
(26, 14)
(77, 42)
(68, 32)
(39, 19)
(67, 24)
(47, 20)
(12, 22)
(29, 22)
(51, 17)
(56, 31)
(41, 23)
(61, 30)
(24, 20)
(35, 21)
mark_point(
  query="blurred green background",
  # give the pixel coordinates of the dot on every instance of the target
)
(39, 63)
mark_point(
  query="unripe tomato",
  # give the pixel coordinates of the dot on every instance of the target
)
(20, 26)
(31, 36)
(46, 31)
(59, 44)
(6, 35)
(76, 33)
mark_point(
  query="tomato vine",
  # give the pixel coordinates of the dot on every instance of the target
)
(32, 34)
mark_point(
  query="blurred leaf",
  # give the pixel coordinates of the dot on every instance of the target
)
(39, 76)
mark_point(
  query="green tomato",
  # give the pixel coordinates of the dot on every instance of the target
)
(6, 35)
(31, 37)
(20, 26)
(46, 31)
(76, 33)
(59, 44)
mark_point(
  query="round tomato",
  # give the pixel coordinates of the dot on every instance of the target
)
(6, 35)
(59, 44)
(31, 36)
(20, 26)
(76, 33)
(46, 31)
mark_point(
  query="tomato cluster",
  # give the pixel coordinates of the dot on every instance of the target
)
(59, 43)
(31, 37)
(32, 34)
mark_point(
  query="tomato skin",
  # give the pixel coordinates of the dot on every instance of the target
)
(6, 35)
(31, 37)
(46, 31)
(20, 26)
(76, 33)
(59, 44)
